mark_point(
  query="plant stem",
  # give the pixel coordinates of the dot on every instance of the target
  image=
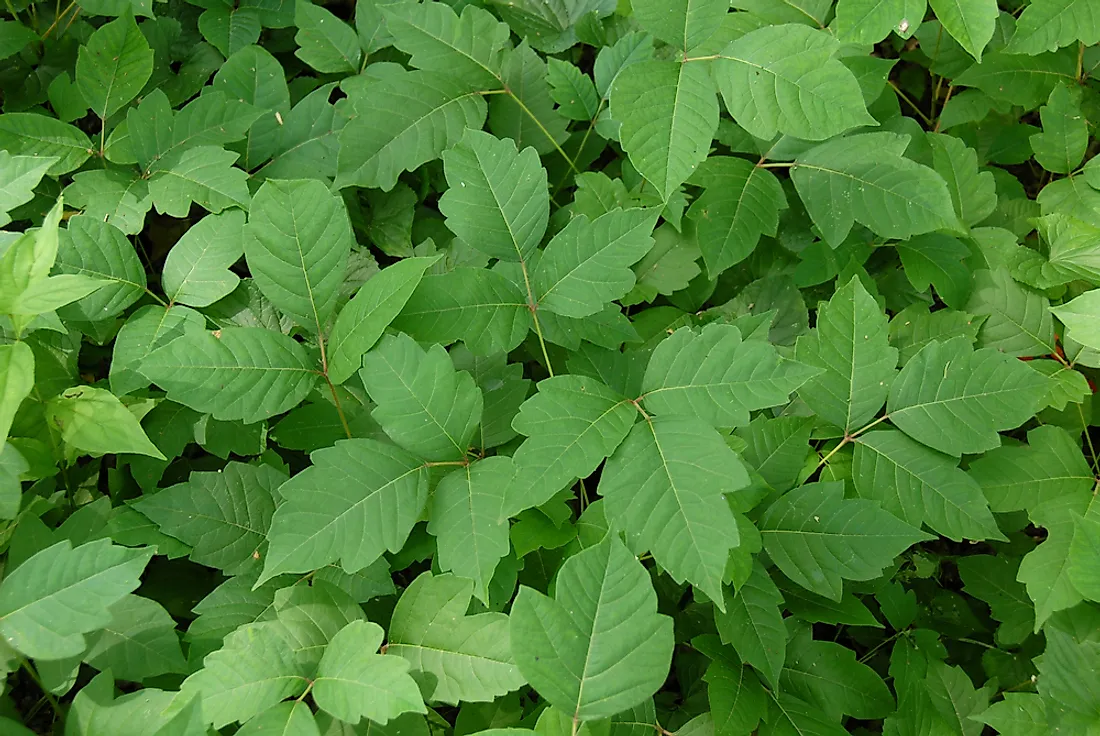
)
(58, 713)
(545, 132)
(927, 120)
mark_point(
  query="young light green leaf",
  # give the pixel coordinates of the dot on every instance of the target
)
(970, 22)
(684, 24)
(94, 422)
(288, 718)
(818, 538)
(203, 175)
(62, 592)
(864, 178)
(921, 486)
(666, 484)
(485, 310)
(469, 47)
(668, 114)
(599, 647)
(571, 424)
(325, 42)
(955, 399)
(587, 264)
(20, 175)
(454, 657)
(471, 532)
(740, 203)
(753, 623)
(16, 381)
(236, 373)
(1047, 25)
(297, 243)
(255, 670)
(851, 346)
(785, 79)
(424, 404)
(496, 199)
(376, 304)
(715, 375)
(404, 122)
(222, 516)
(353, 682)
(358, 499)
(1080, 315)
(196, 271)
(113, 66)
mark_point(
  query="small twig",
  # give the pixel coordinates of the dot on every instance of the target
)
(927, 120)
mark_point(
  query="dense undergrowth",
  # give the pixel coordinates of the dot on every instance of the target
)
(555, 365)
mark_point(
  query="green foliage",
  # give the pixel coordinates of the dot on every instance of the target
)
(555, 367)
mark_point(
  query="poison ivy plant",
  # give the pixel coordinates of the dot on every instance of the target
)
(555, 367)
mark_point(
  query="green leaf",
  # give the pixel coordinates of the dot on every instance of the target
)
(526, 114)
(468, 47)
(1047, 25)
(684, 23)
(230, 29)
(992, 579)
(483, 308)
(196, 271)
(753, 623)
(139, 642)
(203, 175)
(59, 594)
(870, 21)
(222, 516)
(358, 499)
(113, 66)
(325, 42)
(785, 79)
(1045, 569)
(20, 175)
(851, 346)
(117, 198)
(253, 76)
(289, 718)
(101, 251)
(31, 134)
(665, 486)
(1061, 146)
(599, 647)
(921, 486)
(668, 114)
(955, 399)
(424, 404)
(715, 375)
(970, 22)
(362, 321)
(14, 37)
(1079, 316)
(737, 700)
(467, 521)
(255, 670)
(1084, 556)
(95, 710)
(574, 91)
(1022, 714)
(496, 199)
(1020, 80)
(16, 381)
(571, 425)
(405, 121)
(236, 373)
(777, 448)
(353, 682)
(827, 675)
(864, 178)
(149, 328)
(1024, 477)
(94, 422)
(297, 243)
(818, 538)
(973, 192)
(587, 264)
(741, 202)
(454, 657)
(1017, 319)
